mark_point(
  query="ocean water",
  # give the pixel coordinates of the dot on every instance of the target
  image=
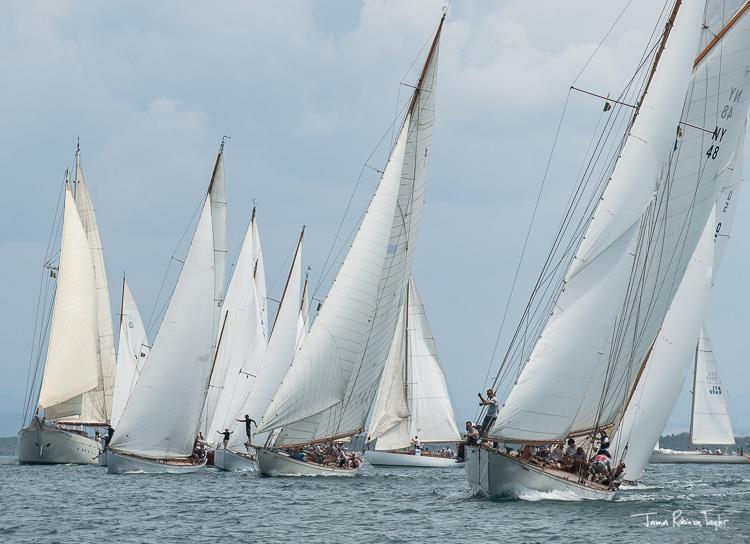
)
(49, 504)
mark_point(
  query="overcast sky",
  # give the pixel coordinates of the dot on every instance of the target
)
(306, 90)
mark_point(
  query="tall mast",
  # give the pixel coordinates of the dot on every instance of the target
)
(122, 299)
(692, 402)
(291, 269)
(406, 343)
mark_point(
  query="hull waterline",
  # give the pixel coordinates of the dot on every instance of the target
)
(493, 474)
(688, 457)
(123, 463)
(234, 461)
(54, 446)
(273, 463)
(397, 459)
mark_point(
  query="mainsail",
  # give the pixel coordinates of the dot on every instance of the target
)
(132, 350)
(72, 364)
(242, 337)
(329, 388)
(709, 422)
(413, 396)
(161, 419)
(670, 360)
(635, 249)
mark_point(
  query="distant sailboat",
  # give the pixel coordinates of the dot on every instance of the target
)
(78, 379)
(709, 418)
(327, 392)
(158, 428)
(413, 397)
(628, 262)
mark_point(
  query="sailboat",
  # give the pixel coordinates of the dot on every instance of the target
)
(413, 400)
(674, 353)
(328, 390)
(709, 422)
(252, 375)
(158, 427)
(78, 379)
(633, 252)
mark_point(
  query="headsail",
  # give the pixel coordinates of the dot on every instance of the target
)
(72, 364)
(709, 422)
(635, 250)
(133, 348)
(413, 396)
(329, 388)
(161, 419)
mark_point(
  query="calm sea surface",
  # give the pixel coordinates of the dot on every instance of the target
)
(85, 504)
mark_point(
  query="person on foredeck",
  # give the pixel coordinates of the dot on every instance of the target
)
(472, 439)
(248, 421)
(226, 433)
(493, 407)
(416, 444)
(615, 477)
(603, 442)
(601, 466)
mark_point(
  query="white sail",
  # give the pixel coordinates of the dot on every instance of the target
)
(242, 338)
(328, 390)
(635, 250)
(710, 423)
(97, 404)
(132, 349)
(218, 198)
(263, 379)
(673, 354)
(413, 397)
(161, 419)
(72, 365)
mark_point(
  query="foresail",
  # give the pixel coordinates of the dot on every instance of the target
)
(71, 366)
(97, 404)
(242, 340)
(619, 288)
(132, 350)
(710, 422)
(161, 419)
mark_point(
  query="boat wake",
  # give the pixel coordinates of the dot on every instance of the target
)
(531, 495)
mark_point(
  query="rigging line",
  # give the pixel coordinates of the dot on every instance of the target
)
(528, 234)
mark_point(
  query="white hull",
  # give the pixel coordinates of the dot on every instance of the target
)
(122, 463)
(233, 461)
(697, 458)
(396, 459)
(273, 463)
(52, 446)
(492, 474)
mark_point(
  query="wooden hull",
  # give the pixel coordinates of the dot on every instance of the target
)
(688, 457)
(274, 463)
(403, 459)
(493, 474)
(122, 463)
(54, 446)
(233, 461)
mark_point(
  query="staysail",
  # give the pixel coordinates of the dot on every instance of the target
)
(161, 418)
(329, 388)
(243, 337)
(709, 422)
(132, 349)
(413, 396)
(72, 363)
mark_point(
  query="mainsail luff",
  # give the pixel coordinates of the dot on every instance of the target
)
(328, 391)
(162, 417)
(244, 341)
(596, 336)
(71, 364)
(96, 405)
(709, 419)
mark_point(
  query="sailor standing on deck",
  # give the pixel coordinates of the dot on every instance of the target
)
(227, 433)
(248, 429)
(493, 407)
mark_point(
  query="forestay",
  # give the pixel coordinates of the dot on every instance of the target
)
(710, 423)
(132, 349)
(328, 390)
(413, 396)
(631, 259)
(161, 419)
(72, 365)
(243, 332)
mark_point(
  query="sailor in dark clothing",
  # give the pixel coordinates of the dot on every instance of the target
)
(603, 443)
(227, 433)
(248, 429)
